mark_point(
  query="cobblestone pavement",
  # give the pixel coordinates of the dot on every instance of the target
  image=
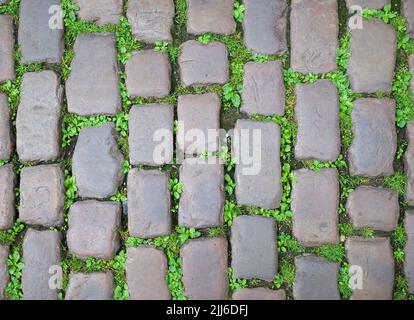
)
(87, 211)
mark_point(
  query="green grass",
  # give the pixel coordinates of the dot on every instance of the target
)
(397, 182)
(8, 237)
(286, 275)
(287, 243)
(331, 252)
(15, 265)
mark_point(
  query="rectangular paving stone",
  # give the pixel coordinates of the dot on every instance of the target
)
(264, 26)
(6, 49)
(149, 204)
(374, 138)
(407, 10)
(4, 272)
(90, 286)
(38, 127)
(254, 252)
(204, 265)
(263, 89)
(256, 148)
(370, 4)
(42, 195)
(375, 258)
(259, 294)
(317, 116)
(314, 29)
(409, 250)
(6, 136)
(40, 37)
(93, 84)
(100, 11)
(315, 199)
(409, 164)
(41, 251)
(146, 270)
(7, 196)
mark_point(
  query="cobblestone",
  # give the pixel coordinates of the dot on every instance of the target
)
(407, 9)
(6, 137)
(6, 49)
(100, 11)
(370, 4)
(7, 197)
(4, 275)
(409, 164)
(90, 286)
(259, 294)
(409, 250)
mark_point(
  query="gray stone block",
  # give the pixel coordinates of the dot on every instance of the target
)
(6, 49)
(90, 286)
(100, 11)
(7, 196)
(6, 136)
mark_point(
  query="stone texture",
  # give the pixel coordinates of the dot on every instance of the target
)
(4, 275)
(316, 278)
(409, 164)
(263, 89)
(204, 264)
(90, 286)
(374, 138)
(314, 41)
(100, 11)
(259, 294)
(93, 84)
(371, 4)
(40, 39)
(215, 16)
(258, 179)
(315, 198)
(264, 26)
(254, 252)
(375, 258)
(6, 49)
(407, 10)
(97, 162)
(3, 1)
(202, 64)
(42, 195)
(149, 203)
(317, 115)
(93, 229)
(7, 196)
(151, 134)
(372, 46)
(409, 250)
(148, 74)
(374, 208)
(41, 251)
(38, 117)
(6, 136)
(146, 270)
(151, 20)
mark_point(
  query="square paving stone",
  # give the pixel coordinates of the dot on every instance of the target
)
(254, 252)
(316, 278)
(372, 46)
(314, 40)
(93, 84)
(6, 49)
(370, 4)
(7, 196)
(90, 286)
(151, 134)
(259, 294)
(264, 26)
(149, 203)
(256, 148)
(374, 138)
(93, 229)
(409, 164)
(407, 10)
(317, 115)
(204, 263)
(100, 11)
(263, 89)
(6, 136)
(38, 127)
(375, 258)
(4, 272)
(151, 20)
(215, 16)
(40, 38)
(41, 252)
(42, 195)
(409, 250)
(315, 199)
(146, 271)
(374, 208)
(203, 64)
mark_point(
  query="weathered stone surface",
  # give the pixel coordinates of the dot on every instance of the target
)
(264, 26)
(316, 278)
(315, 198)
(202, 64)
(146, 269)
(4, 275)
(407, 10)
(42, 195)
(371, 4)
(38, 117)
(6, 136)
(258, 181)
(7, 196)
(374, 138)
(6, 49)
(254, 252)
(151, 134)
(372, 46)
(93, 84)
(149, 203)
(259, 294)
(215, 16)
(100, 11)
(317, 115)
(93, 229)
(263, 88)
(409, 250)
(375, 258)
(97, 162)
(314, 41)
(90, 286)
(40, 37)
(374, 208)
(151, 20)
(3, 1)
(409, 164)
(41, 251)
(204, 263)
